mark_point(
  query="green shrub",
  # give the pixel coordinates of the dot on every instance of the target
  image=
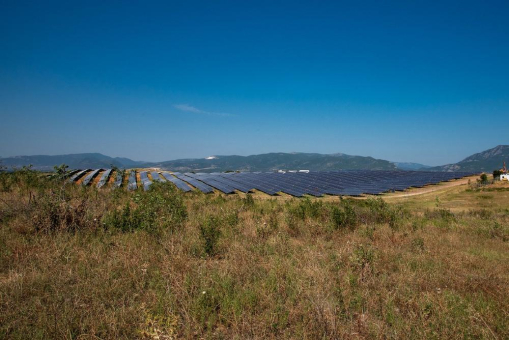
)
(483, 178)
(381, 212)
(6, 182)
(231, 218)
(210, 231)
(52, 212)
(306, 208)
(248, 201)
(297, 212)
(160, 207)
(346, 218)
(61, 171)
(442, 217)
(496, 174)
(125, 219)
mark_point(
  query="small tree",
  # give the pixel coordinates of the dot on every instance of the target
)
(61, 171)
(484, 178)
(496, 174)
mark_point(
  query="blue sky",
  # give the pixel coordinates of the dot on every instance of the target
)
(417, 81)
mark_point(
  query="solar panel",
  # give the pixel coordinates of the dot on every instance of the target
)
(118, 179)
(195, 183)
(71, 173)
(209, 180)
(156, 177)
(132, 181)
(250, 182)
(145, 181)
(78, 175)
(104, 178)
(259, 183)
(178, 182)
(234, 184)
(90, 177)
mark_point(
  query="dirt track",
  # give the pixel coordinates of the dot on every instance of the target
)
(444, 186)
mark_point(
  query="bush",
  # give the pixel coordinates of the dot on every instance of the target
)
(6, 182)
(346, 218)
(496, 174)
(210, 231)
(306, 208)
(483, 179)
(125, 219)
(443, 217)
(160, 207)
(381, 212)
(52, 212)
(61, 171)
(249, 201)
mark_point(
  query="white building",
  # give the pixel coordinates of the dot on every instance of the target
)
(504, 177)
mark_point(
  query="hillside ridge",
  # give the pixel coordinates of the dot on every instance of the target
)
(487, 161)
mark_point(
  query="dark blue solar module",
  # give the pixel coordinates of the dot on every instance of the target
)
(234, 184)
(178, 182)
(289, 184)
(104, 178)
(156, 177)
(78, 175)
(209, 179)
(145, 181)
(132, 181)
(195, 183)
(72, 173)
(90, 177)
(249, 181)
(119, 178)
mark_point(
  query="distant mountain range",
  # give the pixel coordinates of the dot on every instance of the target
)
(277, 161)
(410, 166)
(75, 161)
(263, 162)
(484, 161)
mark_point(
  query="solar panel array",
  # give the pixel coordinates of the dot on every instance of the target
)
(298, 184)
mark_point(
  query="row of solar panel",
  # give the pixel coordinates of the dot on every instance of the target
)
(352, 183)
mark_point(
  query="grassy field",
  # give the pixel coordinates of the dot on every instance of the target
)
(81, 263)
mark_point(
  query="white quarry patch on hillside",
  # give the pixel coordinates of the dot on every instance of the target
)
(211, 157)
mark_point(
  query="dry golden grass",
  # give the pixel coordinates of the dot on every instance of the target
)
(256, 268)
(113, 177)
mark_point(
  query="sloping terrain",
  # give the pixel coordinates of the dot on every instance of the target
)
(484, 161)
(75, 161)
(277, 161)
(487, 161)
(161, 264)
(410, 166)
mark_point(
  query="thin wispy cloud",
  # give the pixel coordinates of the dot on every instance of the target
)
(192, 109)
